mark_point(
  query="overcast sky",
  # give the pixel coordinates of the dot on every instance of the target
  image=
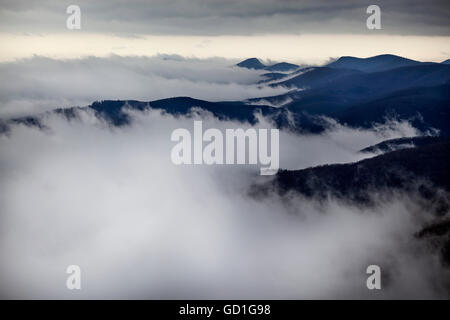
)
(228, 17)
(277, 29)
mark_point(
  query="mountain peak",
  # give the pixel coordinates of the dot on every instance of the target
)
(283, 67)
(251, 63)
(255, 63)
(378, 63)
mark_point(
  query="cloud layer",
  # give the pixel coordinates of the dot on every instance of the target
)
(111, 201)
(39, 84)
(230, 17)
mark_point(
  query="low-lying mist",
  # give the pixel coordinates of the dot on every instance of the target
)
(39, 84)
(110, 200)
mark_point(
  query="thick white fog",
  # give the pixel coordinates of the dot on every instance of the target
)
(111, 201)
(39, 84)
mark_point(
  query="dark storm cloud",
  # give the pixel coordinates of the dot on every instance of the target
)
(219, 17)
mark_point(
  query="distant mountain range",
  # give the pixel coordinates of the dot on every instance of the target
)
(114, 112)
(419, 92)
(373, 64)
(419, 169)
(354, 91)
(403, 143)
(254, 63)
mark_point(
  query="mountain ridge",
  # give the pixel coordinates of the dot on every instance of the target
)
(377, 63)
(255, 63)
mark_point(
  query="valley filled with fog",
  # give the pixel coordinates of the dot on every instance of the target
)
(80, 187)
